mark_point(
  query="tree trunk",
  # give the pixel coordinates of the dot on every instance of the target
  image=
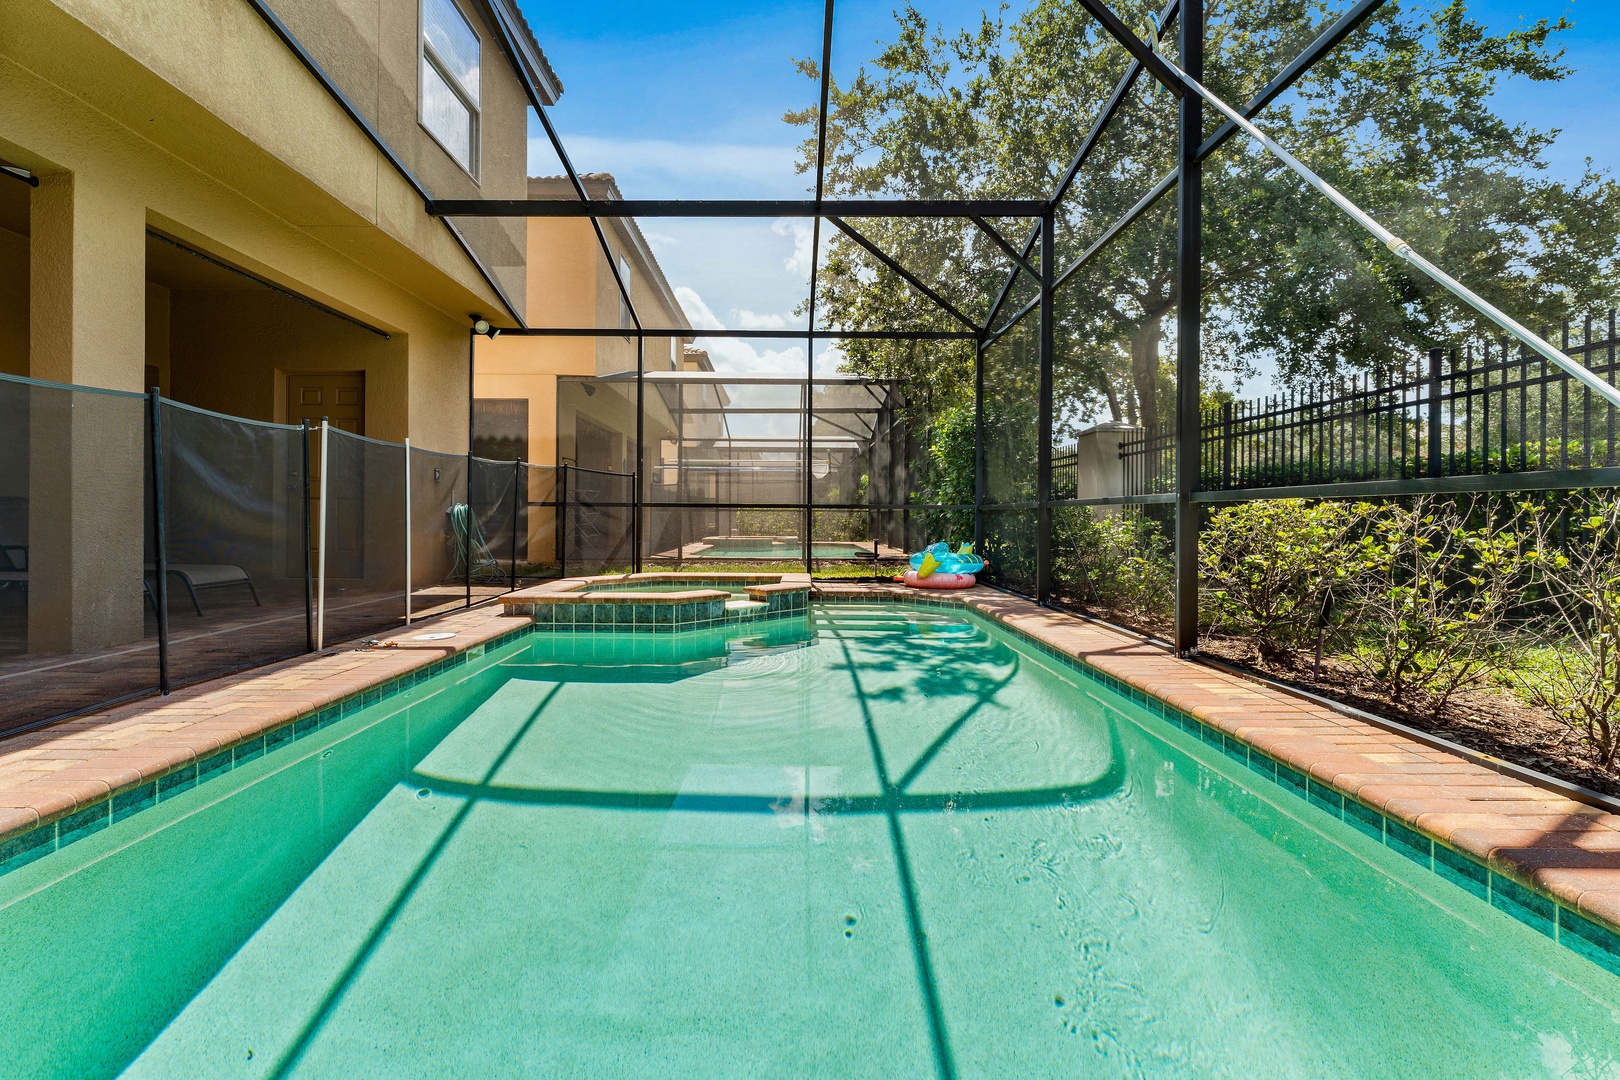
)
(1145, 371)
(1107, 386)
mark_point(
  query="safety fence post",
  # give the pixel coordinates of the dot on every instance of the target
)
(519, 492)
(160, 529)
(562, 522)
(320, 514)
(407, 532)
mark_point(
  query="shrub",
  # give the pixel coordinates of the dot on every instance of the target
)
(1577, 680)
(948, 476)
(1430, 595)
(1269, 570)
(1118, 560)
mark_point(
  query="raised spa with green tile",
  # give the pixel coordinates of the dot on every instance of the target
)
(873, 840)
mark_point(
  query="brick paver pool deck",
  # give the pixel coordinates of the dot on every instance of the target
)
(1559, 847)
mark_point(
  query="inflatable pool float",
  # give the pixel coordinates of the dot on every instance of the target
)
(938, 580)
(938, 567)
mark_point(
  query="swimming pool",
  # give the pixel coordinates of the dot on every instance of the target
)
(780, 547)
(881, 839)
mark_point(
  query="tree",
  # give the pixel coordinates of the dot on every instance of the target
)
(1399, 117)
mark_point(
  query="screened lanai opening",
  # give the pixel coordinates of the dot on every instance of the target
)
(1071, 323)
(1071, 318)
(733, 462)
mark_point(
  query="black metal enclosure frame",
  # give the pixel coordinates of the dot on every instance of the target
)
(1035, 258)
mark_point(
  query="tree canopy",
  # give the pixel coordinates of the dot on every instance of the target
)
(1400, 117)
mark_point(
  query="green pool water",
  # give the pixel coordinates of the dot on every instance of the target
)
(734, 590)
(788, 549)
(880, 842)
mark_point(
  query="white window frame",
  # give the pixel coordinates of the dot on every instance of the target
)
(625, 321)
(428, 55)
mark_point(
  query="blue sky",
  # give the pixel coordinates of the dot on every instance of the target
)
(686, 101)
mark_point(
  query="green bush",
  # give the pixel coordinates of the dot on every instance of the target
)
(1430, 595)
(1270, 570)
(1118, 560)
(948, 477)
(769, 523)
(1577, 679)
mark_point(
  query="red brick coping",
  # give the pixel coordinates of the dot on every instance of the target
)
(575, 590)
(1559, 848)
(58, 770)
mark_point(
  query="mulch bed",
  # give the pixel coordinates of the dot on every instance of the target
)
(1488, 719)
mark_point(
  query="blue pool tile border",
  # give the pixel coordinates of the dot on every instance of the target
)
(22, 848)
(620, 617)
(1586, 937)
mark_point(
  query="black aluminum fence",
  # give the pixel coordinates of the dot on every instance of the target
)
(1476, 410)
(146, 544)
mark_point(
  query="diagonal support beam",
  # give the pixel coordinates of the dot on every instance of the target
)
(1341, 28)
(1138, 48)
(1167, 17)
(584, 199)
(1001, 241)
(1104, 117)
(911, 279)
(1143, 205)
(1329, 39)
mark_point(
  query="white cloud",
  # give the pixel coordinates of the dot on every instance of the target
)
(703, 317)
(830, 360)
(749, 320)
(662, 168)
(660, 242)
(799, 261)
(697, 312)
(733, 354)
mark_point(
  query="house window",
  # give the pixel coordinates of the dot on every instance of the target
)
(450, 81)
(625, 321)
(501, 429)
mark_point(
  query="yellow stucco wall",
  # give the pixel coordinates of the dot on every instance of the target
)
(292, 193)
(190, 118)
(370, 48)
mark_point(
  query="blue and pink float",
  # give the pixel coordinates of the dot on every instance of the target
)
(938, 567)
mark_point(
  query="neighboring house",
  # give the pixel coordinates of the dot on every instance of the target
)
(538, 397)
(226, 199)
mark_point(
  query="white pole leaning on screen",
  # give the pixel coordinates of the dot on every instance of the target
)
(1585, 376)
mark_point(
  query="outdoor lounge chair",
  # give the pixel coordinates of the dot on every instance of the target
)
(13, 566)
(197, 576)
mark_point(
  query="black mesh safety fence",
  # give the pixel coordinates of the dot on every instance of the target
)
(146, 544)
(360, 545)
(236, 515)
(1010, 453)
(438, 491)
(493, 521)
(597, 521)
(1009, 548)
(78, 628)
(537, 556)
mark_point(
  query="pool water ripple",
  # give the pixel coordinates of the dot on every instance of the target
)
(898, 843)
